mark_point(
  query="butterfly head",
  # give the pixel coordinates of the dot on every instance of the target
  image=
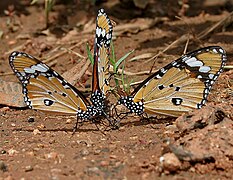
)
(134, 107)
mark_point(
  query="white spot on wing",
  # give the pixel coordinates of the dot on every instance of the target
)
(40, 67)
(193, 62)
(199, 76)
(158, 76)
(211, 76)
(221, 51)
(13, 54)
(103, 33)
(215, 51)
(185, 58)
(29, 70)
(98, 31)
(204, 69)
(174, 63)
(108, 36)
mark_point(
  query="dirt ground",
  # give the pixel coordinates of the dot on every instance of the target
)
(197, 145)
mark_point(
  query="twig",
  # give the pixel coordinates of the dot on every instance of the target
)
(63, 52)
(181, 39)
(128, 73)
(73, 52)
(17, 47)
(228, 67)
(132, 84)
(76, 77)
(69, 74)
(225, 22)
(139, 25)
(186, 45)
(6, 74)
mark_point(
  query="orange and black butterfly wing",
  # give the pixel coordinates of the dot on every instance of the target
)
(44, 89)
(101, 75)
(180, 86)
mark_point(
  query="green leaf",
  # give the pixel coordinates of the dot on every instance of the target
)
(113, 59)
(90, 57)
(122, 59)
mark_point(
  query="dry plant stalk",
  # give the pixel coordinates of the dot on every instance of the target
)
(220, 24)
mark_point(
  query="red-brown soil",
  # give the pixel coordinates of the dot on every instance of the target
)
(197, 145)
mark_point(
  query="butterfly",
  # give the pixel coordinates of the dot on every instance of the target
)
(44, 89)
(101, 75)
(180, 86)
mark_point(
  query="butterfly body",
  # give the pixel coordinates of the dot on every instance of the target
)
(179, 87)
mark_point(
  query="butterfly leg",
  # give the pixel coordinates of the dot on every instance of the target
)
(114, 123)
(144, 118)
(77, 125)
(110, 118)
(99, 129)
(118, 117)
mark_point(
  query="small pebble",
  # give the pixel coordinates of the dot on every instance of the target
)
(84, 152)
(4, 109)
(12, 152)
(93, 170)
(51, 155)
(28, 168)
(40, 145)
(105, 150)
(83, 142)
(55, 174)
(56, 171)
(3, 166)
(133, 137)
(97, 151)
(104, 163)
(113, 156)
(31, 153)
(36, 131)
(13, 124)
(42, 126)
(170, 162)
(3, 151)
(31, 119)
(68, 121)
(12, 41)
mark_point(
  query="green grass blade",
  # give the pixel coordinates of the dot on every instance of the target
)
(113, 54)
(117, 64)
(90, 57)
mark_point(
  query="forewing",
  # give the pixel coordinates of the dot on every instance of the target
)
(101, 75)
(183, 84)
(43, 88)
